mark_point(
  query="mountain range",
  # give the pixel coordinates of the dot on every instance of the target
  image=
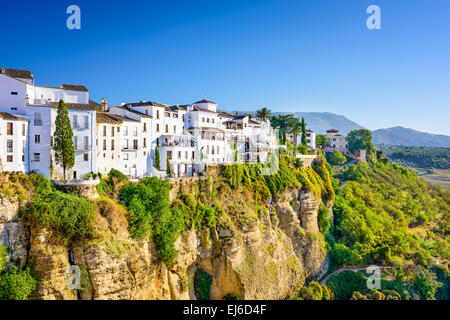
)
(320, 122)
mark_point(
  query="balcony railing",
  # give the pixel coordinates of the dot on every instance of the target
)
(83, 148)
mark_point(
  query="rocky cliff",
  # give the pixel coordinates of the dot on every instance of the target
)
(262, 254)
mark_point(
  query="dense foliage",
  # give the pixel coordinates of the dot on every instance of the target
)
(202, 285)
(150, 215)
(314, 291)
(336, 158)
(421, 157)
(68, 217)
(15, 284)
(360, 140)
(384, 214)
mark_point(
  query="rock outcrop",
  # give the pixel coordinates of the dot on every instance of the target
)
(267, 255)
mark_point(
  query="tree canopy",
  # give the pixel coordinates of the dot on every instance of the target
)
(360, 140)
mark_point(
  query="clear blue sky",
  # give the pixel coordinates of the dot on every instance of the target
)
(286, 55)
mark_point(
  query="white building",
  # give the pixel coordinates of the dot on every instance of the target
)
(38, 104)
(310, 139)
(336, 141)
(125, 137)
(13, 142)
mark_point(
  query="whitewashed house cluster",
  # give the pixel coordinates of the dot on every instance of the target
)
(124, 137)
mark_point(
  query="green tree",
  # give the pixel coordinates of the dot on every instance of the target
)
(282, 122)
(157, 159)
(63, 147)
(303, 127)
(169, 169)
(360, 140)
(263, 113)
(321, 140)
(336, 158)
(425, 283)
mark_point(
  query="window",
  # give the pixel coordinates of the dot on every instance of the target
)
(157, 127)
(167, 128)
(145, 127)
(23, 146)
(167, 114)
(9, 146)
(212, 120)
(112, 131)
(74, 174)
(126, 131)
(118, 129)
(125, 144)
(13, 108)
(86, 157)
(179, 155)
(37, 157)
(104, 130)
(37, 138)
(218, 152)
(186, 155)
(157, 114)
(14, 93)
(112, 145)
(23, 129)
(86, 143)
(135, 144)
(145, 143)
(37, 119)
(125, 156)
(135, 133)
(75, 142)
(23, 158)
(104, 144)
(174, 129)
(203, 119)
(75, 121)
(9, 128)
(169, 155)
(9, 158)
(86, 122)
(193, 155)
(207, 120)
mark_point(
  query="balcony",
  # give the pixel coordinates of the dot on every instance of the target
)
(83, 148)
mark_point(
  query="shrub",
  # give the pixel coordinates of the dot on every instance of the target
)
(68, 217)
(15, 284)
(202, 285)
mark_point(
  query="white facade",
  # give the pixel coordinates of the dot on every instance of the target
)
(38, 104)
(13, 142)
(125, 137)
(310, 139)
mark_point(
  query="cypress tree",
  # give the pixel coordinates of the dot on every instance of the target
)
(304, 142)
(157, 160)
(169, 169)
(63, 147)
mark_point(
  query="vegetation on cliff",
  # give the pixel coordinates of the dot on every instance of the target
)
(15, 284)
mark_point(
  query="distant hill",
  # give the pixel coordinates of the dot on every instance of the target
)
(400, 136)
(320, 122)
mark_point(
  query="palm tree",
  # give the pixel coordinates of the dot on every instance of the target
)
(263, 113)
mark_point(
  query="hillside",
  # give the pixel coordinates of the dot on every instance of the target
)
(408, 137)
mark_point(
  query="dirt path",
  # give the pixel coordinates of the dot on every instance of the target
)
(354, 269)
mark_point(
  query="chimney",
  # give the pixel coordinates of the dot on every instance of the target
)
(104, 105)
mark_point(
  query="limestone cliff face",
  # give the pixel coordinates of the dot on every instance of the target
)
(264, 256)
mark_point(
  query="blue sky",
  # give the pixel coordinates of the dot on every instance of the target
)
(286, 55)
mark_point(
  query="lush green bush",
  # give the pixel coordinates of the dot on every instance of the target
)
(314, 291)
(150, 215)
(323, 218)
(336, 158)
(69, 218)
(375, 210)
(15, 284)
(345, 283)
(202, 285)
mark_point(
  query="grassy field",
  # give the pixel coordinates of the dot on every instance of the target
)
(437, 176)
